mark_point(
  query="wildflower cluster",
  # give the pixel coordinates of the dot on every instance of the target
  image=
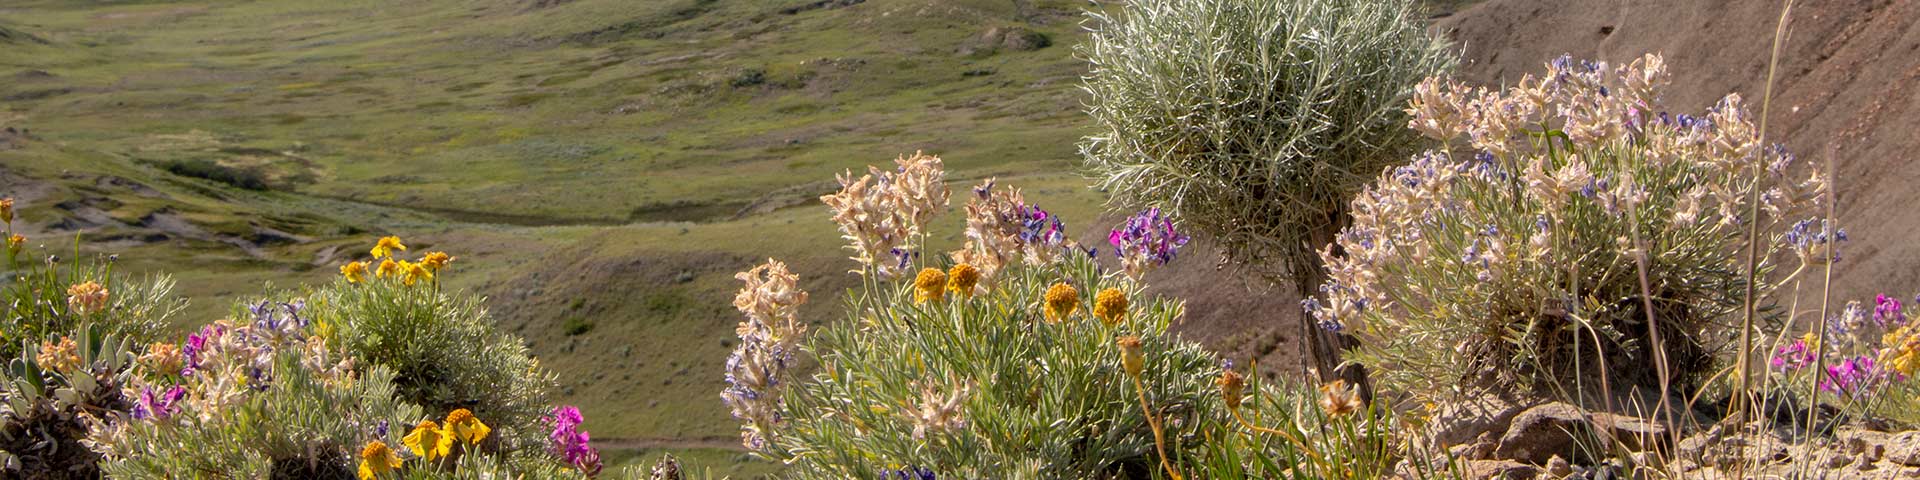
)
(1003, 229)
(770, 298)
(883, 213)
(1552, 200)
(1869, 354)
(408, 273)
(570, 443)
(1145, 240)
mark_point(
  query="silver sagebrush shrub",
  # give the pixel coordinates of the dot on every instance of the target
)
(1254, 122)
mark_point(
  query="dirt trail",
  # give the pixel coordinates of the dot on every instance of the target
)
(658, 443)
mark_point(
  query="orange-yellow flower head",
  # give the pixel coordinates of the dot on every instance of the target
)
(87, 298)
(386, 246)
(60, 357)
(1130, 357)
(414, 273)
(387, 268)
(436, 260)
(1339, 398)
(1061, 301)
(463, 426)
(961, 280)
(930, 286)
(428, 441)
(1232, 386)
(376, 460)
(6, 210)
(1110, 306)
(15, 243)
(164, 359)
(355, 272)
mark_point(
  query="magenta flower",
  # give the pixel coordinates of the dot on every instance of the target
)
(149, 407)
(1851, 376)
(570, 443)
(1886, 312)
(1792, 357)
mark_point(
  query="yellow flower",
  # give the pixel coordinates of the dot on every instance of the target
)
(6, 210)
(1110, 306)
(428, 441)
(930, 285)
(87, 298)
(415, 272)
(387, 268)
(14, 243)
(1232, 386)
(1062, 301)
(386, 246)
(1130, 357)
(355, 272)
(436, 260)
(377, 460)
(961, 279)
(1338, 398)
(465, 427)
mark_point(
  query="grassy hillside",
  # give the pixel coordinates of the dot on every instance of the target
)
(601, 167)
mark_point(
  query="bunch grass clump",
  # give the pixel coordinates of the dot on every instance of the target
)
(1253, 121)
(1571, 227)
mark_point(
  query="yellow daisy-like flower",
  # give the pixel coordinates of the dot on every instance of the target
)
(355, 272)
(961, 280)
(386, 246)
(377, 460)
(428, 441)
(387, 268)
(465, 427)
(1110, 306)
(1062, 301)
(1130, 357)
(930, 285)
(415, 272)
(436, 260)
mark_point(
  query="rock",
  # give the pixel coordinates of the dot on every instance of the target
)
(1904, 449)
(1558, 467)
(1634, 433)
(1542, 432)
(1501, 470)
(1461, 422)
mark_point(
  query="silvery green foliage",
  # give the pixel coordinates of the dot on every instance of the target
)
(303, 425)
(444, 351)
(1253, 122)
(985, 387)
(47, 412)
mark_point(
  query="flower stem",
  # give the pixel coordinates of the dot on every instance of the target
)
(1159, 438)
